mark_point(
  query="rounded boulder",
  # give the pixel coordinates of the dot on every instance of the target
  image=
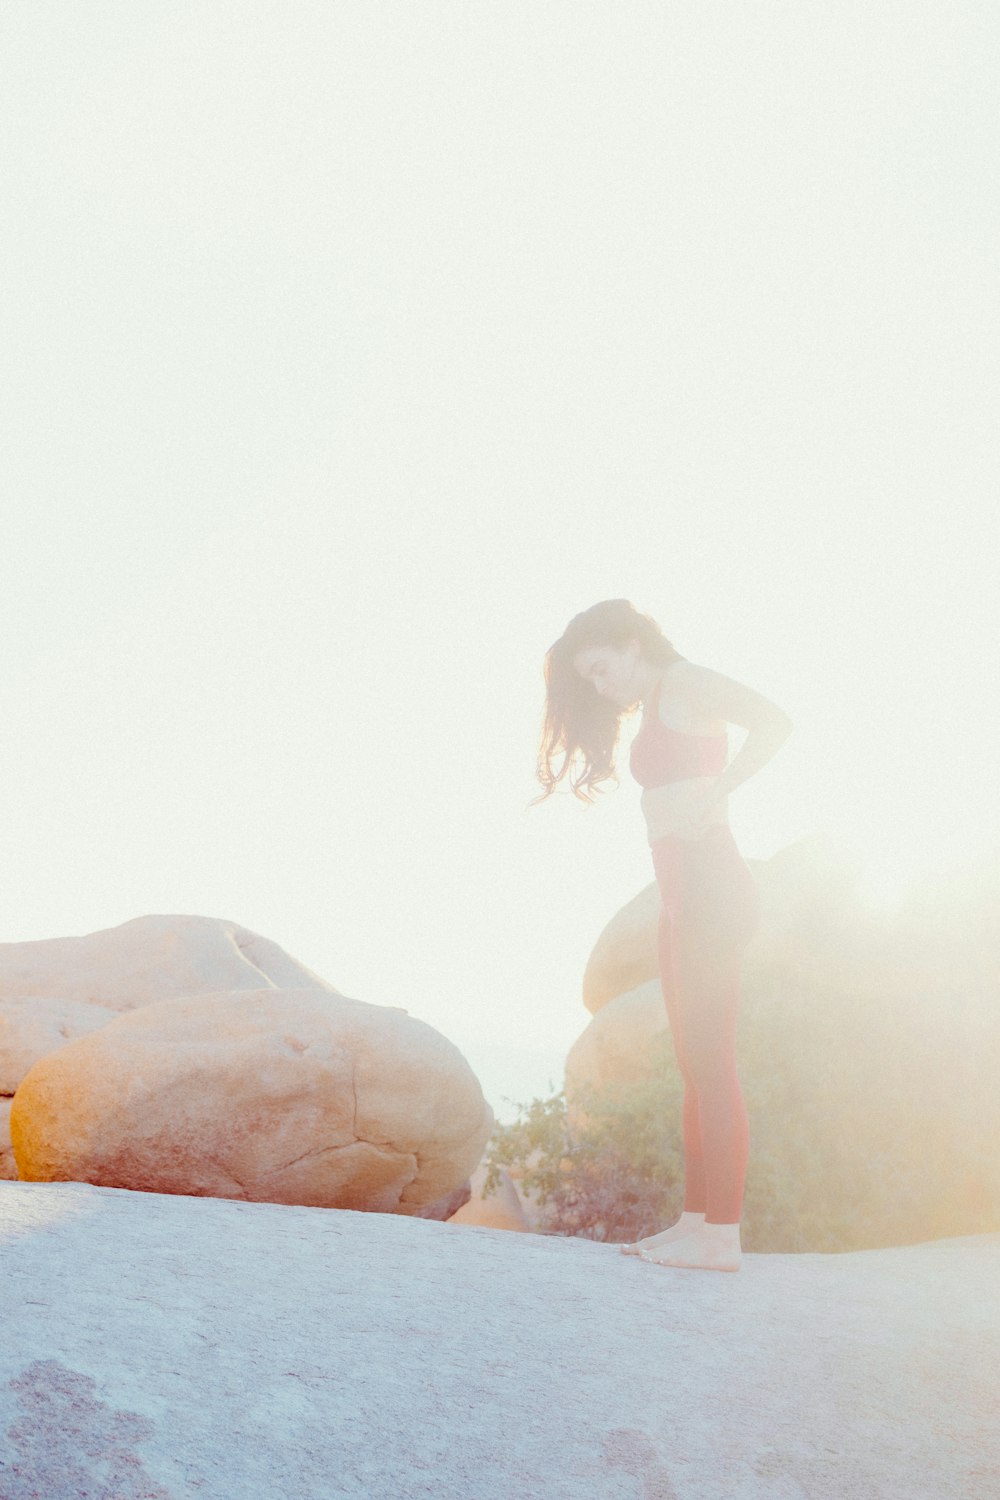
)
(625, 954)
(30, 1027)
(615, 1046)
(279, 1096)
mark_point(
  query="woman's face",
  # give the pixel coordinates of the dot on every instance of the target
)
(615, 674)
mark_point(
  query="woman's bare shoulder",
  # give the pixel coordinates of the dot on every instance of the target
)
(712, 697)
(680, 705)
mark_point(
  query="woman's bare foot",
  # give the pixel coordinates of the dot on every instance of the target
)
(687, 1222)
(714, 1247)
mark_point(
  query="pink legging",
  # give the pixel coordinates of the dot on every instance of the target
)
(710, 911)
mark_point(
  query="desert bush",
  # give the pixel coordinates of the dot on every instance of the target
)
(601, 1164)
(869, 1057)
(874, 1121)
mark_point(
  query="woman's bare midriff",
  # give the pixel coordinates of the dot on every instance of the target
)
(661, 808)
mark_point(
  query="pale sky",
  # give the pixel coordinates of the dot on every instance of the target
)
(349, 350)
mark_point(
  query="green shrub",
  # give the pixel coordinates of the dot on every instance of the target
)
(605, 1164)
(874, 1120)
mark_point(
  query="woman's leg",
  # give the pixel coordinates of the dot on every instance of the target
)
(711, 998)
(695, 1190)
(668, 858)
(717, 912)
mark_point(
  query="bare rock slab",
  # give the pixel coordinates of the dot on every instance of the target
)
(280, 1096)
(164, 1347)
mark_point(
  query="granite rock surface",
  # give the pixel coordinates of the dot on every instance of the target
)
(169, 1347)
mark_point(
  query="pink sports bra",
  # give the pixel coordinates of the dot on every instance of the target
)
(660, 754)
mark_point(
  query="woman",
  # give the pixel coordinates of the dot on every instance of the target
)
(609, 661)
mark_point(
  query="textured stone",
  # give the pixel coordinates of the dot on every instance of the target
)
(284, 1096)
(29, 1028)
(151, 958)
(176, 1347)
(8, 1166)
(624, 955)
(614, 1047)
(55, 989)
(502, 1209)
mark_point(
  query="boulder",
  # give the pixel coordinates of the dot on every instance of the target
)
(281, 1096)
(8, 1166)
(55, 989)
(501, 1209)
(29, 1028)
(151, 958)
(615, 1046)
(624, 955)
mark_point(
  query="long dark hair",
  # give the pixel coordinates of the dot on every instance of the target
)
(578, 720)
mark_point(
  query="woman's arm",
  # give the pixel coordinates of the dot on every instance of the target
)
(713, 695)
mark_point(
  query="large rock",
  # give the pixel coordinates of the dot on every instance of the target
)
(151, 958)
(55, 989)
(30, 1028)
(282, 1096)
(8, 1166)
(625, 954)
(615, 1046)
(165, 1348)
(500, 1209)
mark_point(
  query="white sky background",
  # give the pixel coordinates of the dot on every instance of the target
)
(348, 350)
